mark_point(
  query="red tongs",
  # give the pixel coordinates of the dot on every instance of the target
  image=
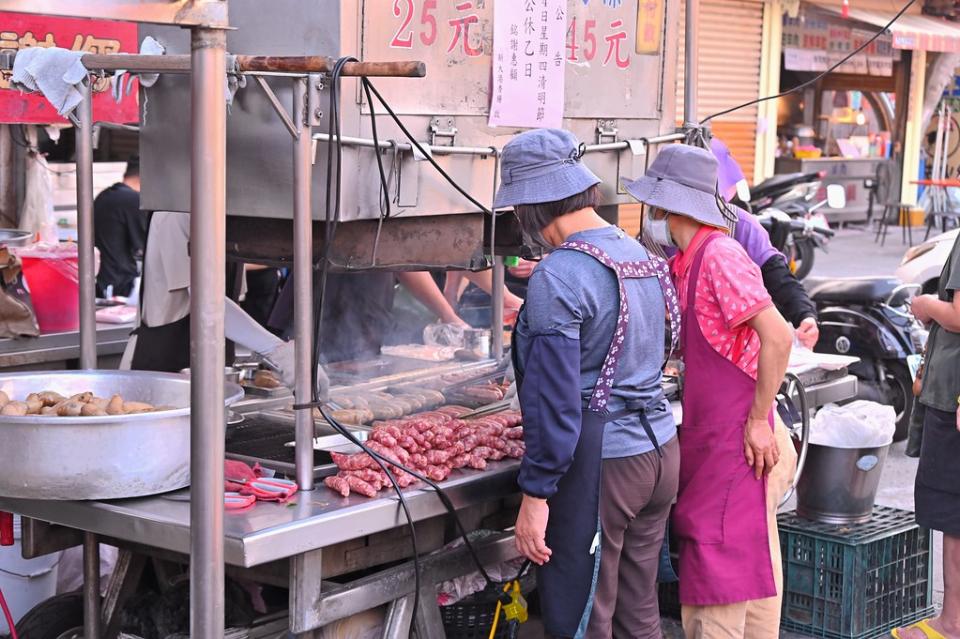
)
(267, 489)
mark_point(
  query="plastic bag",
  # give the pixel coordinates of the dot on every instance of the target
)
(444, 335)
(859, 424)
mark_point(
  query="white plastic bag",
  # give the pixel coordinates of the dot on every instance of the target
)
(859, 424)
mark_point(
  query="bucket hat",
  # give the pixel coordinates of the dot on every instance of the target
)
(682, 180)
(540, 166)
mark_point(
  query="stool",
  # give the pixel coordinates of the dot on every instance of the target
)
(902, 210)
(951, 214)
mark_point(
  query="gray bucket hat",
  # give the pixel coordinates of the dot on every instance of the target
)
(542, 166)
(682, 180)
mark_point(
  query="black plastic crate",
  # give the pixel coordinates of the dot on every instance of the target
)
(858, 581)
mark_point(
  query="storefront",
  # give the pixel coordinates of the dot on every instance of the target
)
(864, 120)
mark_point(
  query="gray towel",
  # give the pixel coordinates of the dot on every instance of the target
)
(55, 72)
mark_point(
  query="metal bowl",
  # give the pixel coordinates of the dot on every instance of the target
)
(15, 237)
(107, 457)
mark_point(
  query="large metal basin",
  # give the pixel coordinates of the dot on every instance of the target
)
(99, 457)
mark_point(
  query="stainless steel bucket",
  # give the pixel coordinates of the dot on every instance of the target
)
(99, 457)
(839, 485)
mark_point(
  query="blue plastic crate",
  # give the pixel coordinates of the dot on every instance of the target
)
(855, 582)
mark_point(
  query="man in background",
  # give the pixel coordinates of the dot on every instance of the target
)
(119, 232)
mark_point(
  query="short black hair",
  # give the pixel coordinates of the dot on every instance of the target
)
(539, 216)
(133, 167)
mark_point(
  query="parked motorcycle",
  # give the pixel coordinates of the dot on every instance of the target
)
(870, 318)
(779, 190)
(796, 228)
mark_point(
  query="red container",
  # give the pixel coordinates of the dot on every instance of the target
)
(54, 284)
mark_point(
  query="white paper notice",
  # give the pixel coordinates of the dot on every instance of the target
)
(528, 63)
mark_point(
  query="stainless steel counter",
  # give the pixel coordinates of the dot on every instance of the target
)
(268, 532)
(40, 352)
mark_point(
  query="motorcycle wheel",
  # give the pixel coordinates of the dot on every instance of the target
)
(800, 255)
(895, 389)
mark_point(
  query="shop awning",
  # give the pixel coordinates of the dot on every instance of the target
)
(919, 33)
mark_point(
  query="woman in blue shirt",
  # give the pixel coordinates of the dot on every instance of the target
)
(589, 347)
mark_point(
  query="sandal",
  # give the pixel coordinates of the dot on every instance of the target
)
(923, 626)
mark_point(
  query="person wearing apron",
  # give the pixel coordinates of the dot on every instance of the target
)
(602, 461)
(161, 342)
(735, 348)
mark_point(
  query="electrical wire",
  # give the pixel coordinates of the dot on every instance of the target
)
(425, 153)
(7, 616)
(384, 187)
(820, 76)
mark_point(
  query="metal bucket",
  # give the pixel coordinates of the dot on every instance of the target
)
(107, 457)
(839, 485)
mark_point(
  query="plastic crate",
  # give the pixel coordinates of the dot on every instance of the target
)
(472, 617)
(855, 582)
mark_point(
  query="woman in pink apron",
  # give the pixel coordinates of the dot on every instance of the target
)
(735, 348)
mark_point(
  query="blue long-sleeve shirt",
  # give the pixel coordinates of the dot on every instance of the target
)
(563, 336)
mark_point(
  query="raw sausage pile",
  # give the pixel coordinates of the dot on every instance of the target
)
(433, 443)
(53, 404)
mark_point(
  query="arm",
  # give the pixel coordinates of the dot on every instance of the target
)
(484, 281)
(929, 308)
(421, 286)
(791, 299)
(776, 339)
(550, 399)
(788, 293)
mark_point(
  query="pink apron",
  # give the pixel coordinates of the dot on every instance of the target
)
(720, 519)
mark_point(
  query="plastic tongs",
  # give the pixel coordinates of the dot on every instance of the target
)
(266, 489)
(236, 501)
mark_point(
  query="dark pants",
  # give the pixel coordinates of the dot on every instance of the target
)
(635, 499)
(937, 490)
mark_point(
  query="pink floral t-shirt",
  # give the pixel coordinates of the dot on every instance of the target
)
(730, 292)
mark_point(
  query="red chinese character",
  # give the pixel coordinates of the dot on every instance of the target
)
(462, 32)
(613, 45)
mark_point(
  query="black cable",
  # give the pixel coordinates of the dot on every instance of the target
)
(384, 187)
(425, 154)
(816, 79)
(332, 214)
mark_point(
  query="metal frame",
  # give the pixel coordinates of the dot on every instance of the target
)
(208, 61)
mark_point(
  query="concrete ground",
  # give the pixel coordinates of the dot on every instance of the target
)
(852, 253)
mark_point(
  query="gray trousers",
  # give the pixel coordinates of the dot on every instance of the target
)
(635, 499)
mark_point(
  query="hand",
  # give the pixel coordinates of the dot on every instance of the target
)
(524, 269)
(283, 357)
(531, 530)
(454, 320)
(760, 446)
(808, 332)
(921, 307)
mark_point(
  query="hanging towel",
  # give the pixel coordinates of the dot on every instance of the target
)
(55, 72)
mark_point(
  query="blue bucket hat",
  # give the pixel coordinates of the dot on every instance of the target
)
(540, 166)
(682, 180)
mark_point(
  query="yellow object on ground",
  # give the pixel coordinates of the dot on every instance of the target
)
(923, 626)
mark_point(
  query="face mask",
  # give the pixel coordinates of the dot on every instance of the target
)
(659, 231)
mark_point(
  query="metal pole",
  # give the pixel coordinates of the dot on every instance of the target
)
(303, 281)
(91, 586)
(692, 35)
(207, 292)
(85, 257)
(496, 293)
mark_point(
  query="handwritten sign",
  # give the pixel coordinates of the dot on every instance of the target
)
(20, 30)
(528, 63)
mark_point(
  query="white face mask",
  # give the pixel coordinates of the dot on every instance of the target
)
(659, 231)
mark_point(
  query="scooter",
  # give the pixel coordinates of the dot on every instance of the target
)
(870, 318)
(779, 190)
(797, 230)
